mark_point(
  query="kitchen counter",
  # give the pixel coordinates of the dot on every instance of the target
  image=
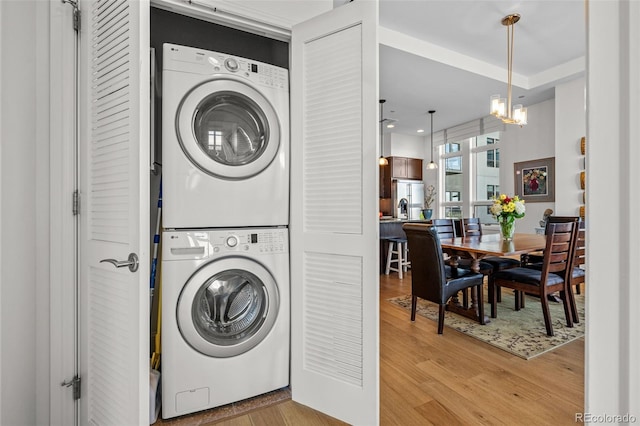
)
(390, 228)
(395, 219)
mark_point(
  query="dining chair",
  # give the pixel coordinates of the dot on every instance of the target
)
(445, 228)
(431, 279)
(472, 226)
(578, 273)
(555, 274)
(449, 228)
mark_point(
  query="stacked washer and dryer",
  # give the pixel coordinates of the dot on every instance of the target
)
(225, 257)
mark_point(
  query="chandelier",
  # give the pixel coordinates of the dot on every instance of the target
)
(501, 107)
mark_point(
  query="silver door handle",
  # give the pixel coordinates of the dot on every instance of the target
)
(131, 262)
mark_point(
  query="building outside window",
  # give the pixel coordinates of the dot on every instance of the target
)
(453, 180)
(471, 177)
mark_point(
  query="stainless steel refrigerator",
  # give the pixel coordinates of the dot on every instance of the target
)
(409, 199)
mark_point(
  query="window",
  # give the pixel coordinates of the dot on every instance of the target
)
(493, 155)
(453, 164)
(452, 147)
(453, 213)
(486, 174)
(471, 177)
(454, 183)
(452, 196)
(492, 191)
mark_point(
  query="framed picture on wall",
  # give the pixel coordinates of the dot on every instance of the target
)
(534, 181)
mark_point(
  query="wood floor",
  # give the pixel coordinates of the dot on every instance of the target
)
(453, 379)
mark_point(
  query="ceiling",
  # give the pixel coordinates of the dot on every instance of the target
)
(451, 56)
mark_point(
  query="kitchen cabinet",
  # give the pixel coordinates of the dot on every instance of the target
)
(406, 168)
(398, 168)
(385, 181)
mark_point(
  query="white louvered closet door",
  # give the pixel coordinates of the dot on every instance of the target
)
(334, 213)
(114, 188)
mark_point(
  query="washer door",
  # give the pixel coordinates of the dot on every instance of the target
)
(227, 307)
(228, 129)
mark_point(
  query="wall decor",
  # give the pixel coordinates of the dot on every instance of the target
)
(582, 180)
(534, 181)
(583, 142)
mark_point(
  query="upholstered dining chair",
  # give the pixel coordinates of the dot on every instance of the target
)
(431, 279)
(554, 275)
(472, 226)
(448, 228)
(578, 273)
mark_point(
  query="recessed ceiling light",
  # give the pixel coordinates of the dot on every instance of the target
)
(420, 130)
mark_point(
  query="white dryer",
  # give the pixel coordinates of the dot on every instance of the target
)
(225, 140)
(225, 317)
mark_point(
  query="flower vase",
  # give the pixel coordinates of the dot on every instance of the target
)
(507, 228)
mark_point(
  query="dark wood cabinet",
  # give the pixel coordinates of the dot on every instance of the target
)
(398, 168)
(385, 181)
(414, 168)
(405, 168)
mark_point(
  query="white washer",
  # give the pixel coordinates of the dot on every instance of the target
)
(225, 316)
(225, 140)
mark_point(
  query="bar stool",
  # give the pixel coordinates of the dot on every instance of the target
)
(398, 247)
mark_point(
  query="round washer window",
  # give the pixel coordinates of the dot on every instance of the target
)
(230, 307)
(230, 128)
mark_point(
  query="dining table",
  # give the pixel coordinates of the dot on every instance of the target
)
(478, 247)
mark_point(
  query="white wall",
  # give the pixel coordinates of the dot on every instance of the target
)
(612, 377)
(533, 141)
(23, 219)
(402, 145)
(571, 123)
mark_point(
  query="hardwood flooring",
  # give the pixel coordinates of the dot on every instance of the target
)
(452, 379)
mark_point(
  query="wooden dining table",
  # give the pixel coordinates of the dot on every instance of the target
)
(478, 247)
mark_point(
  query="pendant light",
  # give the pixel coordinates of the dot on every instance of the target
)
(501, 107)
(432, 165)
(382, 161)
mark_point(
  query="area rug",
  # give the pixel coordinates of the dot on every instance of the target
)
(521, 333)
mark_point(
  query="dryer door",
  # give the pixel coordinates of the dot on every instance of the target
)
(228, 307)
(228, 129)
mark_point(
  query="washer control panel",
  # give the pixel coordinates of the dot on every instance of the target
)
(256, 241)
(190, 59)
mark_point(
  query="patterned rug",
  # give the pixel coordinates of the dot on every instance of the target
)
(521, 333)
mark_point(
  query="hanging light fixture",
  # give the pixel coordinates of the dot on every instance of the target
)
(501, 107)
(382, 161)
(432, 165)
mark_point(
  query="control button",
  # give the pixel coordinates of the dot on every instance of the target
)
(216, 249)
(231, 64)
(232, 241)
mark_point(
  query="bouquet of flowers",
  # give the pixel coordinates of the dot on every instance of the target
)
(506, 210)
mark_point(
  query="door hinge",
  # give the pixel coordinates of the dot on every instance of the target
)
(75, 203)
(75, 385)
(76, 19)
(76, 13)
